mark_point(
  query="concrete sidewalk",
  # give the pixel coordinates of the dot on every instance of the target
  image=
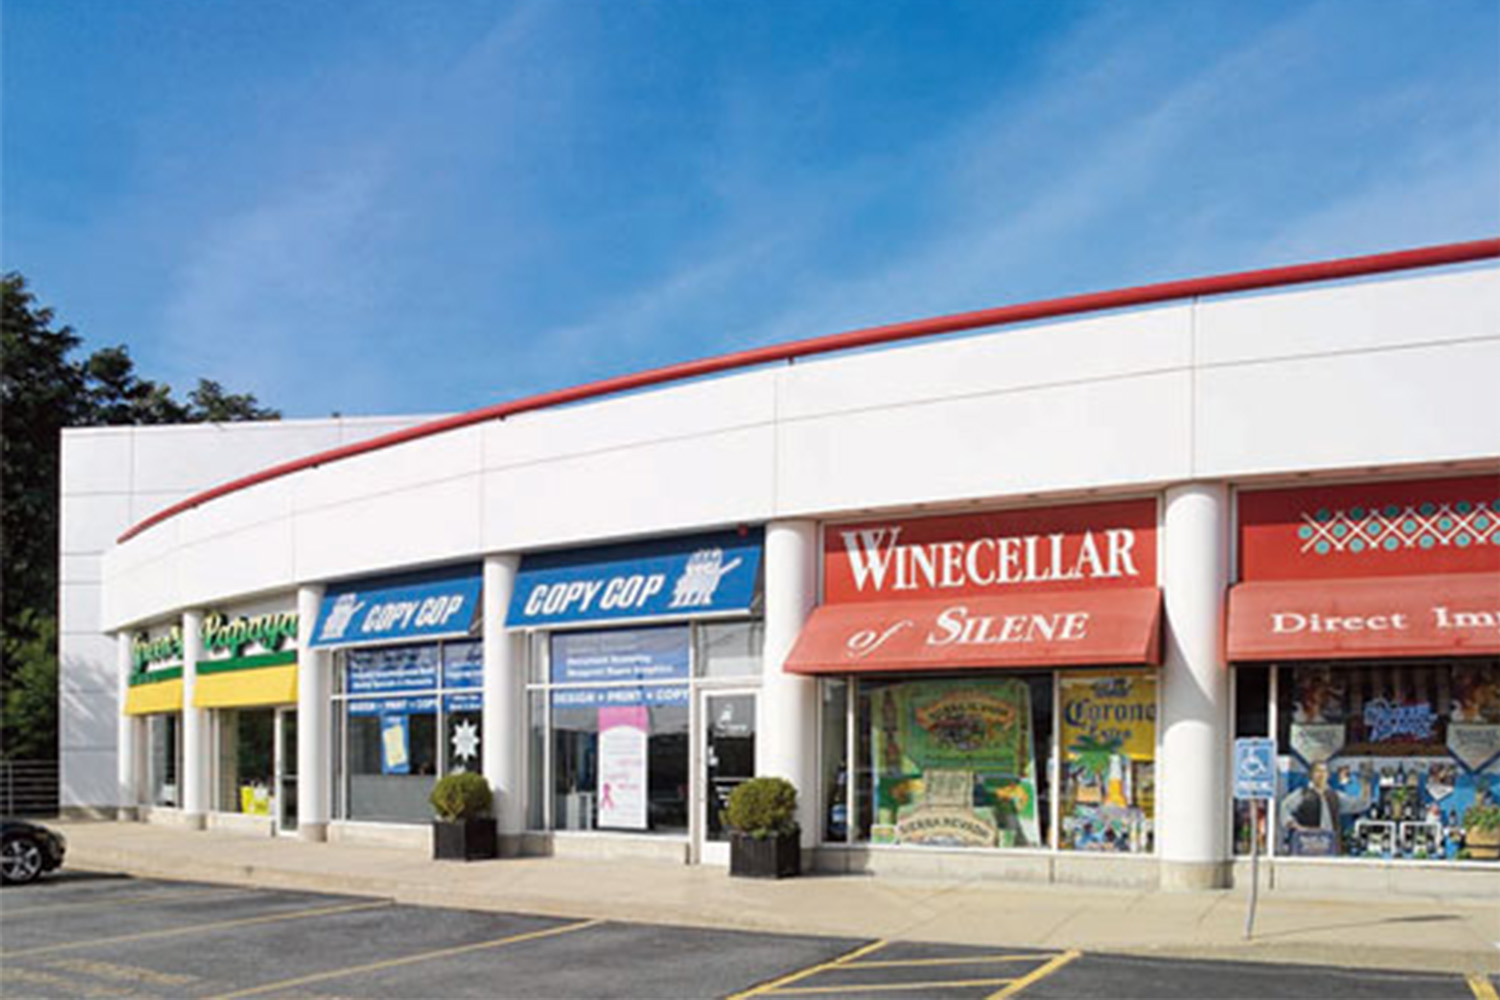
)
(1366, 931)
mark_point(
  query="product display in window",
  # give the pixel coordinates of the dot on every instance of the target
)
(1108, 737)
(1388, 760)
(952, 762)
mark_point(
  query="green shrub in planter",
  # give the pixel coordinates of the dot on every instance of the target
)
(461, 796)
(463, 830)
(765, 841)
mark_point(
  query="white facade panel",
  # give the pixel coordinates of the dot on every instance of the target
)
(86, 568)
(671, 486)
(86, 662)
(1084, 350)
(191, 458)
(223, 566)
(1120, 432)
(1380, 408)
(436, 523)
(97, 460)
(430, 460)
(1362, 316)
(87, 720)
(90, 522)
(89, 777)
(78, 607)
(671, 412)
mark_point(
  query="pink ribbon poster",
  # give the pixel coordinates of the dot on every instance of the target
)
(622, 767)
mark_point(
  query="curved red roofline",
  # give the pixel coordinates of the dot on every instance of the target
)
(1297, 274)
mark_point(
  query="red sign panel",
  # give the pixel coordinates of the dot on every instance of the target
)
(1103, 546)
(1453, 615)
(1410, 528)
(1014, 630)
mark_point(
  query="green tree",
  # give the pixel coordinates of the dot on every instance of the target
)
(42, 390)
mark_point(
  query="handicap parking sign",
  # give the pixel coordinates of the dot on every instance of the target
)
(1254, 768)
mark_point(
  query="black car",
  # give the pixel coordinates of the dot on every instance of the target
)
(27, 850)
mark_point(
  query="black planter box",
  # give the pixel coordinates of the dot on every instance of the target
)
(463, 840)
(770, 857)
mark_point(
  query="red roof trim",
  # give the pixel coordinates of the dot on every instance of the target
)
(1331, 270)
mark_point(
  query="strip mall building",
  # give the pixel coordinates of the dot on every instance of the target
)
(998, 604)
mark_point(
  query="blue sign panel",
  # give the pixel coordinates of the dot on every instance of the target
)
(391, 671)
(627, 696)
(1254, 768)
(410, 608)
(696, 574)
(463, 665)
(640, 654)
(467, 701)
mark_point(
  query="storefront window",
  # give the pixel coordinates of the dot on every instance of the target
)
(731, 649)
(166, 759)
(958, 762)
(408, 714)
(1252, 717)
(619, 719)
(245, 760)
(1108, 740)
(835, 760)
(1384, 760)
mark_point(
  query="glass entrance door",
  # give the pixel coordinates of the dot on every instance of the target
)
(286, 770)
(728, 758)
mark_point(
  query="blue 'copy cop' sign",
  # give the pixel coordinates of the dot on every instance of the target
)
(694, 574)
(1254, 768)
(423, 607)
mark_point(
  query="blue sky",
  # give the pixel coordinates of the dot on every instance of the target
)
(411, 207)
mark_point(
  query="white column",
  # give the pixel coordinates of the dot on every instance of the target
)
(196, 752)
(314, 745)
(127, 759)
(787, 744)
(504, 702)
(1192, 799)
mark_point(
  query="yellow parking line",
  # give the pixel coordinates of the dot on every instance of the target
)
(977, 959)
(889, 987)
(1482, 987)
(146, 897)
(1036, 975)
(391, 963)
(197, 928)
(813, 970)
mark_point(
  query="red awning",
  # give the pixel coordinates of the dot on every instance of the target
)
(1014, 630)
(1453, 615)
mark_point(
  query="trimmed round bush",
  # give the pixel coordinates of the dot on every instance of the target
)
(461, 796)
(763, 807)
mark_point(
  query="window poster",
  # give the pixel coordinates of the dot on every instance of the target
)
(395, 744)
(622, 767)
(1108, 734)
(1386, 760)
(954, 763)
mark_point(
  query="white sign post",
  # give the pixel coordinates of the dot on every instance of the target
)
(1254, 780)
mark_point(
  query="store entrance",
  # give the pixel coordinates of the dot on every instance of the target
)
(727, 759)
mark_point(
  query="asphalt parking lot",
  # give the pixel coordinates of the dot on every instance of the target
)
(83, 935)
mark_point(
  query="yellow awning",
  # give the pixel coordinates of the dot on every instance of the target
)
(241, 688)
(160, 696)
